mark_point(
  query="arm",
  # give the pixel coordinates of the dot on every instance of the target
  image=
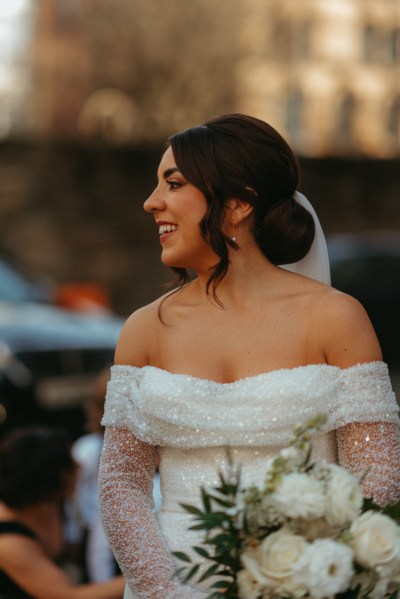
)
(126, 476)
(370, 450)
(99, 557)
(25, 562)
(126, 481)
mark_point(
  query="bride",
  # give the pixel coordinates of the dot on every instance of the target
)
(238, 355)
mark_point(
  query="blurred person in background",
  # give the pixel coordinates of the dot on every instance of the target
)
(87, 543)
(88, 546)
(37, 475)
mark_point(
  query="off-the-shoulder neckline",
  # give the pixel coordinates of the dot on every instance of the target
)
(267, 373)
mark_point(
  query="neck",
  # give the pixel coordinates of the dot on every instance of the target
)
(249, 276)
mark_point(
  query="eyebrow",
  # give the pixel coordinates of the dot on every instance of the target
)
(170, 171)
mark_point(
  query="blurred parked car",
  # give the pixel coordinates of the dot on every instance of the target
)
(367, 266)
(49, 355)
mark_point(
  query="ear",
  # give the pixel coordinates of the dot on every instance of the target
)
(241, 208)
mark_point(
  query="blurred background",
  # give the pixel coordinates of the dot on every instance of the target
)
(89, 91)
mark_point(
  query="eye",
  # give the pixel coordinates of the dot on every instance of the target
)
(173, 184)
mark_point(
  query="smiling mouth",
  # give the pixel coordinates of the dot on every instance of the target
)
(163, 229)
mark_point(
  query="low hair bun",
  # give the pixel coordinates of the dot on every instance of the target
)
(287, 232)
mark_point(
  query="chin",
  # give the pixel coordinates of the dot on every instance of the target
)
(203, 259)
(173, 262)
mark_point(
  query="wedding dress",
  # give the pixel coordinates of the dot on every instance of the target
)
(190, 422)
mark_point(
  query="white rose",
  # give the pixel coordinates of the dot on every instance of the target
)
(325, 568)
(248, 587)
(300, 496)
(376, 543)
(271, 563)
(343, 496)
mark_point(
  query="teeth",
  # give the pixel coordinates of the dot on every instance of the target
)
(167, 228)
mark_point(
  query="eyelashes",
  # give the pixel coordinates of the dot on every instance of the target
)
(173, 185)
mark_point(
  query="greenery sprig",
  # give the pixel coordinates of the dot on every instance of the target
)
(221, 516)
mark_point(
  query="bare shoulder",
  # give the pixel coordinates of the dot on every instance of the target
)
(14, 548)
(138, 335)
(337, 304)
(344, 328)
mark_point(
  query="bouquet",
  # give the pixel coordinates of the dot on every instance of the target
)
(306, 533)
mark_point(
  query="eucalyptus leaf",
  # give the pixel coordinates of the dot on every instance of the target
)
(209, 572)
(220, 584)
(192, 572)
(182, 556)
(201, 551)
(192, 509)
(206, 499)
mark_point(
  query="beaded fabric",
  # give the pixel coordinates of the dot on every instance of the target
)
(190, 422)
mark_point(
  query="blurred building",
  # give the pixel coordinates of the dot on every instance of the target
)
(124, 74)
(326, 72)
(131, 71)
(62, 67)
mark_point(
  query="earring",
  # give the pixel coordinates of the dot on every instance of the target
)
(233, 219)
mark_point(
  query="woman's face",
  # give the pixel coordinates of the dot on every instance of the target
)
(178, 208)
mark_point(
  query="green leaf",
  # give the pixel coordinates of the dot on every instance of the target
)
(209, 521)
(209, 572)
(223, 502)
(392, 510)
(201, 551)
(192, 572)
(204, 526)
(225, 573)
(369, 504)
(228, 489)
(182, 556)
(222, 539)
(206, 499)
(220, 584)
(192, 509)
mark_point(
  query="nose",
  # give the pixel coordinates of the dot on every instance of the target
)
(154, 202)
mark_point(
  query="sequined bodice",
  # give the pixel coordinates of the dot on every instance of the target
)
(180, 410)
(193, 421)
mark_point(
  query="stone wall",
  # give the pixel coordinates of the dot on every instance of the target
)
(72, 212)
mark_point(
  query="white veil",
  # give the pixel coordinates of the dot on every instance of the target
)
(316, 263)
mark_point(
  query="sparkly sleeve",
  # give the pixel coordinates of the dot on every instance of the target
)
(369, 444)
(126, 483)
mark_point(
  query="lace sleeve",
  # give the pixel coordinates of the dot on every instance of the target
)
(125, 482)
(373, 450)
(368, 435)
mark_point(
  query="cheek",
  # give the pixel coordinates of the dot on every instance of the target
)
(190, 222)
(195, 208)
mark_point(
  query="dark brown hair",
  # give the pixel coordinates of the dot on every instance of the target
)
(238, 156)
(34, 462)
